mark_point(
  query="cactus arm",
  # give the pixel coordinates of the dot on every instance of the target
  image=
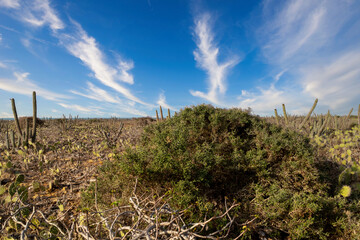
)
(157, 115)
(161, 113)
(325, 123)
(349, 114)
(16, 119)
(27, 132)
(285, 115)
(33, 135)
(309, 114)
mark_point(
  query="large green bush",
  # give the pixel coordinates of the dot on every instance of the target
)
(205, 154)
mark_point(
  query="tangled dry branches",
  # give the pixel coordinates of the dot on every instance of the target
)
(143, 218)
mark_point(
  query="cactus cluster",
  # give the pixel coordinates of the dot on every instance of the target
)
(67, 123)
(319, 125)
(162, 115)
(23, 137)
(315, 125)
(309, 114)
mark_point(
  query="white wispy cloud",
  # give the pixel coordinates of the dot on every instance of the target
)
(128, 110)
(86, 49)
(2, 65)
(206, 56)
(23, 85)
(336, 82)
(79, 44)
(10, 3)
(26, 42)
(317, 44)
(279, 75)
(98, 94)
(9, 29)
(295, 31)
(296, 27)
(6, 115)
(26, 36)
(162, 102)
(265, 100)
(40, 13)
(79, 108)
(117, 110)
(123, 69)
(0, 37)
(37, 13)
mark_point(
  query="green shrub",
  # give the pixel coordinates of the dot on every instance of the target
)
(206, 154)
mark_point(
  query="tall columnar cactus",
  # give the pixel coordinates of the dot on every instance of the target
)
(349, 114)
(309, 114)
(27, 132)
(276, 117)
(161, 113)
(33, 135)
(327, 119)
(359, 115)
(157, 115)
(285, 115)
(24, 137)
(345, 123)
(16, 119)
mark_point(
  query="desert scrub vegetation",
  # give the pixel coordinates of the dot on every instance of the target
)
(41, 182)
(205, 173)
(205, 157)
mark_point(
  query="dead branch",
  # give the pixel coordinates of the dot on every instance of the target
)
(144, 218)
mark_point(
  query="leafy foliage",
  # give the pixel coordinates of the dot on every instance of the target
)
(206, 154)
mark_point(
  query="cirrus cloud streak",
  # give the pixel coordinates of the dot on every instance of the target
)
(27, 87)
(206, 56)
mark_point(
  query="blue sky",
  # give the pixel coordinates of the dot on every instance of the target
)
(125, 58)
